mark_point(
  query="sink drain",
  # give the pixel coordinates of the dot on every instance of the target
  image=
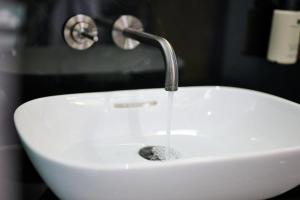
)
(158, 153)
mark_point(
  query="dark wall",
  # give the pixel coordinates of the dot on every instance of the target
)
(217, 42)
(194, 28)
(244, 69)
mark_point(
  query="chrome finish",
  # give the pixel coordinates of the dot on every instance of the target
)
(80, 32)
(171, 78)
(126, 21)
(127, 31)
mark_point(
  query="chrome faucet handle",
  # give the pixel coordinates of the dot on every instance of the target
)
(80, 32)
(128, 32)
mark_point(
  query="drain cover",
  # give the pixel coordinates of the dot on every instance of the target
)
(158, 153)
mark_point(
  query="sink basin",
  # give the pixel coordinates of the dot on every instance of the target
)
(232, 144)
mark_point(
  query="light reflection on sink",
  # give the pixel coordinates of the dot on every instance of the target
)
(234, 144)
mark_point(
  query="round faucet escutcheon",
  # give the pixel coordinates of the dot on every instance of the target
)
(122, 23)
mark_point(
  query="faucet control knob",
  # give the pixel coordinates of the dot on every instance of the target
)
(80, 32)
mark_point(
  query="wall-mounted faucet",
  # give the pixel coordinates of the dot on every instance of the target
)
(127, 32)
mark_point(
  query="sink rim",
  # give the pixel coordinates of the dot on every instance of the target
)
(167, 164)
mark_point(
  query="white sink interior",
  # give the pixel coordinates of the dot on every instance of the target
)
(216, 125)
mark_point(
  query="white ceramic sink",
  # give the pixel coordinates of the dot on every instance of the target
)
(234, 144)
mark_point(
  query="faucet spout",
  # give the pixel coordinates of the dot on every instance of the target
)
(128, 33)
(171, 78)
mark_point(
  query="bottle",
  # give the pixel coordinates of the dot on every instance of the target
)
(285, 33)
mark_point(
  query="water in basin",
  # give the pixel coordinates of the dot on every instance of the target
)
(129, 148)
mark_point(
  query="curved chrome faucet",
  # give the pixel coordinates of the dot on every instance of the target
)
(127, 27)
(171, 79)
(80, 32)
